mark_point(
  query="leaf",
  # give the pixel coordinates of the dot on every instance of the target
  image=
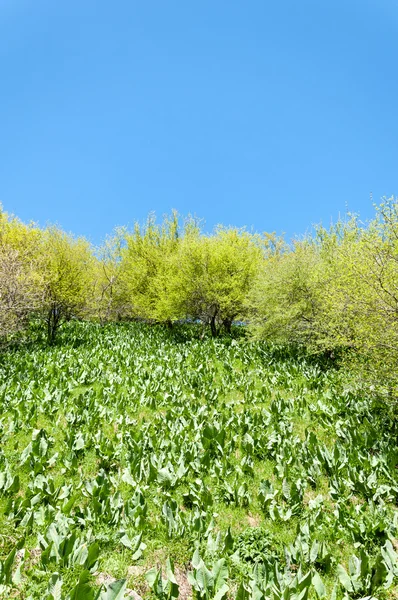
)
(196, 560)
(305, 581)
(212, 544)
(242, 593)
(138, 553)
(314, 551)
(68, 505)
(114, 591)
(83, 590)
(17, 577)
(221, 592)
(344, 578)
(228, 540)
(151, 576)
(93, 554)
(55, 586)
(14, 487)
(53, 536)
(45, 556)
(79, 442)
(318, 585)
(25, 454)
(381, 573)
(170, 571)
(7, 566)
(79, 556)
(126, 542)
(220, 573)
(164, 477)
(128, 478)
(204, 578)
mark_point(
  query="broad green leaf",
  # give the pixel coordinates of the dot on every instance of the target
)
(344, 578)
(83, 589)
(114, 591)
(151, 576)
(318, 585)
(93, 554)
(7, 566)
(222, 592)
(55, 587)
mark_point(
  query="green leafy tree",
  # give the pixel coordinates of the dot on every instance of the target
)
(67, 272)
(213, 276)
(146, 262)
(367, 288)
(111, 299)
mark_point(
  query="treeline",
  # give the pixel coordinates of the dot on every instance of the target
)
(160, 273)
(335, 291)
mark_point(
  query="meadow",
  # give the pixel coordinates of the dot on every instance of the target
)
(135, 459)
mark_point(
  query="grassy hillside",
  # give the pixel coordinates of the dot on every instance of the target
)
(257, 472)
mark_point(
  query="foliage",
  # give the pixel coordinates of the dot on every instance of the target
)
(20, 282)
(67, 265)
(146, 266)
(333, 292)
(215, 274)
(254, 471)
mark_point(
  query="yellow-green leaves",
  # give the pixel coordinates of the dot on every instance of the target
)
(67, 266)
(20, 281)
(172, 272)
(214, 274)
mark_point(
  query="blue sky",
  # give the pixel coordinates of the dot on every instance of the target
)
(269, 114)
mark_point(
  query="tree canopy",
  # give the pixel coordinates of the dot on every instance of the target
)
(335, 291)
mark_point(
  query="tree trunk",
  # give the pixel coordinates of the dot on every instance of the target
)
(213, 326)
(53, 320)
(228, 325)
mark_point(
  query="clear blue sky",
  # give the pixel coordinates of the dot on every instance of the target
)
(270, 114)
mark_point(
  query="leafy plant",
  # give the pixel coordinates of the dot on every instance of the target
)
(209, 584)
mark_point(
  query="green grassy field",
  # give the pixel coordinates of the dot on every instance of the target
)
(238, 469)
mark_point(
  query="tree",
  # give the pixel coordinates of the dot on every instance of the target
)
(67, 267)
(368, 287)
(214, 274)
(20, 285)
(111, 301)
(285, 298)
(300, 296)
(145, 268)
